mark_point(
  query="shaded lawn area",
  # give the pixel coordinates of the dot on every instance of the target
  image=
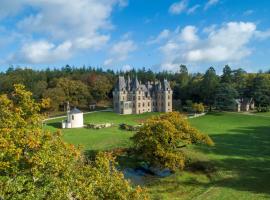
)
(241, 155)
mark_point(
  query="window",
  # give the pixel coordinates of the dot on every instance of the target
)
(139, 105)
(148, 104)
(169, 104)
(126, 105)
(139, 98)
(143, 105)
(72, 117)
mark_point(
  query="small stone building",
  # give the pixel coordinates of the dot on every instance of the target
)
(244, 104)
(74, 119)
(133, 97)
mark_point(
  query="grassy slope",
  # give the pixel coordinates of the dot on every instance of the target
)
(241, 154)
(242, 157)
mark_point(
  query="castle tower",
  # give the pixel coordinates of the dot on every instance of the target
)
(133, 97)
(167, 95)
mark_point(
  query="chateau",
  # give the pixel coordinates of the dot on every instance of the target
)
(132, 97)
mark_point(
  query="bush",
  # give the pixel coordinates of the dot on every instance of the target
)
(198, 107)
(263, 109)
(162, 139)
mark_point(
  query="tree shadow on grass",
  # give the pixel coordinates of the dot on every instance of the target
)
(57, 125)
(243, 158)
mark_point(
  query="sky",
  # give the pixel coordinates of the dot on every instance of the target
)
(126, 34)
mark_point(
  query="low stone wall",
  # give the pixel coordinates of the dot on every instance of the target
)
(196, 115)
(99, 126)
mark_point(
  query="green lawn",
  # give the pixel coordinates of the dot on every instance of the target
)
(102, 139)
(241, 156)
(264, 114)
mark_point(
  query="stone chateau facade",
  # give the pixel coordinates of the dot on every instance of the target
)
(132, 97)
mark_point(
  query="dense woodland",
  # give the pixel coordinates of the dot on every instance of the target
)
(87, 85)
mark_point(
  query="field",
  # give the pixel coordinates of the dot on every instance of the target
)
(241, 156)
(102, 139)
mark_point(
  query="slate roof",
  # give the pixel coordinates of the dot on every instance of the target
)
(134, 84)
(244, 101)
(75, 111)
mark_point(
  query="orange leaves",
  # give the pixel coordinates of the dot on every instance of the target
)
(161, 138)
(38, 164)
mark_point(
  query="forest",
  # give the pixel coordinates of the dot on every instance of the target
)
(87, 85)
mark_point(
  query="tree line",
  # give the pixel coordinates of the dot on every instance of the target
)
(87, 85)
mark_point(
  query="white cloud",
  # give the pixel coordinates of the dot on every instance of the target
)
(193, 9)
(188, 34)
(210, 3)
(262, 35)
(162, 36)
(120, 52)
(96, 42)
(224, 44)
(126, 68)
(178, 7)
(43, 52)
(84, 23)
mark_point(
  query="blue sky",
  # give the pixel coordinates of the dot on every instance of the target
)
(122, 34)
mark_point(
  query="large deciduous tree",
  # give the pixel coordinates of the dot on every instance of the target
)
(160, 141)
(36, 164)
(225, 97)
(208, 87)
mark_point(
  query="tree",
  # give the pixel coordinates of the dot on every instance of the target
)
(198, 107)
(76, 92)
(99, 86)
(161, 140)
(261, 91)
(225, 97)
(57, 97)
(37, 164)
(182, 80)
(208, 88)
(39, 88)
(227, 75)
(239, 82)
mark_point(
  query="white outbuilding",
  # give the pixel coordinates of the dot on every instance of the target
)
(74, 119)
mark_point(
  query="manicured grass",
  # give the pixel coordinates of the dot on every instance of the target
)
(241, 155)
(102, 139)
(265, 114)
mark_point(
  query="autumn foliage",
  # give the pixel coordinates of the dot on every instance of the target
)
(37, 164)
(161, 140)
